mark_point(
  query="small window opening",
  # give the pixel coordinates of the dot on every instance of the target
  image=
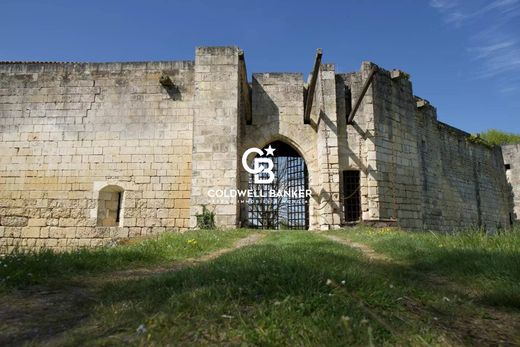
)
(352, 196)
(508, 167)
(110, 204)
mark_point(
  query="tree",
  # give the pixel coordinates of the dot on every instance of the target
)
(500, 138)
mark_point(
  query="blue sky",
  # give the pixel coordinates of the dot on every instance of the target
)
(463, 56)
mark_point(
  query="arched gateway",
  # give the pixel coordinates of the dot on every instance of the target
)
(283, 203)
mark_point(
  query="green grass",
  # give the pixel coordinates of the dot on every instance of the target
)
(300, 289)
(487, 265)
(23, 269)
(271, 294)
(499, 138)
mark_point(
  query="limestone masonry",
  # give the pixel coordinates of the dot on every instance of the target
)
(91, 152)
(512, 165)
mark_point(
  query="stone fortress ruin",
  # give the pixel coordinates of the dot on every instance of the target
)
(91, 152)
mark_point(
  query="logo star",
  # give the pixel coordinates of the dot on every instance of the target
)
(269, 151)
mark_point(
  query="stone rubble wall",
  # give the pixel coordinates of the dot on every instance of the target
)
(67, 130)
(511, 154)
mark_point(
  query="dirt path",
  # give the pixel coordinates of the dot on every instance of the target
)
(492, 327)
(179, 265)
(39, 313)
(366, 250)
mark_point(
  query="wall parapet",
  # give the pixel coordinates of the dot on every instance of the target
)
(20, 67)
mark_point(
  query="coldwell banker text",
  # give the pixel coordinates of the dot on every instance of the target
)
(252, 193)
(262, 166)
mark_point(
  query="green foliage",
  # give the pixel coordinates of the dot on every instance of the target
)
(499, 138)
(476, 139)
(206, 220)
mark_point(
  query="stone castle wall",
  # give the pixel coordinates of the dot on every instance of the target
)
(511, 155)
(432, 176)
(69, 130)
(90, 152)
(396, 135)
(215, 132)
(356, 141)
(463, 183)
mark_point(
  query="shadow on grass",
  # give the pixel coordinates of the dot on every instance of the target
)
(495, 276)
(489, 265)
(20, 270)
(27, 269)
(276, 293)
(264, 295)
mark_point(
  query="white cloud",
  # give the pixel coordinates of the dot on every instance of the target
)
(494, 46)
(443, 4)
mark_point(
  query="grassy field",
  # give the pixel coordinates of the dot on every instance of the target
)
(301, 288)
(487, 266)
(19, 270)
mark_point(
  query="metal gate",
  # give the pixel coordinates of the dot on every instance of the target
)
(284, 210)
(351, 196)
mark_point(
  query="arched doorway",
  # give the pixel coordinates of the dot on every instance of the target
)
(288, 207)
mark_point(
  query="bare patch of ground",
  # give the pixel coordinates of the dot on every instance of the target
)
(365, 249)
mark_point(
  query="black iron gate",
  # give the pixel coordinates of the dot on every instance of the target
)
(351, 196)
(287, 208)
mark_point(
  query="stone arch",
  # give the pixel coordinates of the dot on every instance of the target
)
(306, 149)
(288, 141)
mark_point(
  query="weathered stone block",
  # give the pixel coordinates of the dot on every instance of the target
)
(14, 221)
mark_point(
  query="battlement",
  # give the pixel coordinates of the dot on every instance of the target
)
(20, 67)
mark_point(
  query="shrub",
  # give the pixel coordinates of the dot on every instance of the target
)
(206, 220)
(499, 138)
